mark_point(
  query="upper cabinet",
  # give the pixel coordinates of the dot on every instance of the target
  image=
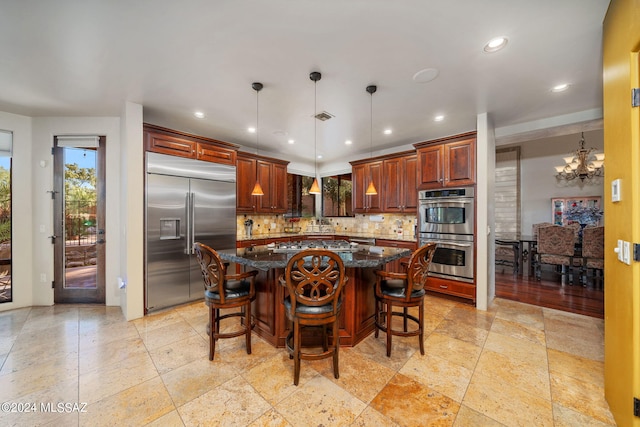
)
(272, 175)
(447, 162)
(399, 189)
(363, 172)
(176, 143)
(395, 178)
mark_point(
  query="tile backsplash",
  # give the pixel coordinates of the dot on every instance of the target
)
(381, 225)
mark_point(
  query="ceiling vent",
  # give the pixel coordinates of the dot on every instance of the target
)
(324, 116)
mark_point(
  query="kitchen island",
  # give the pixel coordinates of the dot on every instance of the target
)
(357, 318)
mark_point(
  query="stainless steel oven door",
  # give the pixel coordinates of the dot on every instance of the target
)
(453, 259)
(454, 216)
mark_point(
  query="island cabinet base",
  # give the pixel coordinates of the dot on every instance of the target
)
(452, 287)
(356, 319)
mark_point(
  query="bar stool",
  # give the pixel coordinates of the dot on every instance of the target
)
(225, 291)
(403, 290)
(314, 279)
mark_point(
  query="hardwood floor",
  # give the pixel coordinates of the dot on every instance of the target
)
(551, 293)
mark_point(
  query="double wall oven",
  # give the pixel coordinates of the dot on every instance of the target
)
(446, 217)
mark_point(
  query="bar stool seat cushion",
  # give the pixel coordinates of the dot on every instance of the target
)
(396, 288)
(308, 309)
(234, 289)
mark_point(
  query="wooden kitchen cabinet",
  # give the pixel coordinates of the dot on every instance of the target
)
(272, 175)
(175, 143)
(362, 173)
(400, 184)
(447, 162)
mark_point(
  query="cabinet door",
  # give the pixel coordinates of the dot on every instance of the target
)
(165, 144)
(430, 167)
(460, 163)
(409, 184)
(211, 153)
(246, 176)
(264, 177)
(279, 188)
(358, 180)
(393, 191)
(361, 175)
(375, 202)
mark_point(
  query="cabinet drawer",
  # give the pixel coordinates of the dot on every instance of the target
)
(211, 153)
(452, 287)
(164, 144)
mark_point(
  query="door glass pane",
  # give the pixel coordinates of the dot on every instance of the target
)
(5, 217)
(80, 217)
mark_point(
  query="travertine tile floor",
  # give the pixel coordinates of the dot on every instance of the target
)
(515, 365)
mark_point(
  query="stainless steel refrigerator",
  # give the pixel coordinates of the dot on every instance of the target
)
(187, 201)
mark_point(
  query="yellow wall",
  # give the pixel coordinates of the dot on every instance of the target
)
(622, 219)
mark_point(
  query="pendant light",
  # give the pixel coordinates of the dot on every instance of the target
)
(257, 189)
(371, 189)
(315, 188)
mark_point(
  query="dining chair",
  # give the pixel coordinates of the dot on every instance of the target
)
(593, 253)
(506, 254)
(534, 247)
(556, 246)
(576, 227)
(314, 279)
(225, 291)
(403, 290)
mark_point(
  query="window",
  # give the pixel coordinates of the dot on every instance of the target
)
(299, 202)
(507, 191)
(6, 294)
(336, 195)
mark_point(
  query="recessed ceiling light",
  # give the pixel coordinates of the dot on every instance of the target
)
(388, 131)
(348, 142)
(425, 76)
(438, 118)
(495, 44)
(291, 141)
(251, 130)
(319, 156)
(560, 88)
(199, 114)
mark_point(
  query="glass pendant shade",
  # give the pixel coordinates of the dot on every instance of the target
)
(257, 190)
(315, 188)
(371, 190)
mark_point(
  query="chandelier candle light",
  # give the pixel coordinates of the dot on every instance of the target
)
(315, 188)
(257, 189)
(583, 164)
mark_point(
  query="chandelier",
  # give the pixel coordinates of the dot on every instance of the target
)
(583, 164)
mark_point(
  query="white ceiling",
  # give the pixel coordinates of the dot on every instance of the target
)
(86, 58)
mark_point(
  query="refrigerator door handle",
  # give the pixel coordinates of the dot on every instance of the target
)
(187, 205)
(192, 220)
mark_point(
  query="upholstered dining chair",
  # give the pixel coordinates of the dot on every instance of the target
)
(403, 290)
(535, 228)
(556, 246)
(314, 279)
(225, 291)
(593, 252)
(576, 227)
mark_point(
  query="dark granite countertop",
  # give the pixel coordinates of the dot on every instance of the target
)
(264, 258)
(406, 237)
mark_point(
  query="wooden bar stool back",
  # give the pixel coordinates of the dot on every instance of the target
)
(314, 279)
